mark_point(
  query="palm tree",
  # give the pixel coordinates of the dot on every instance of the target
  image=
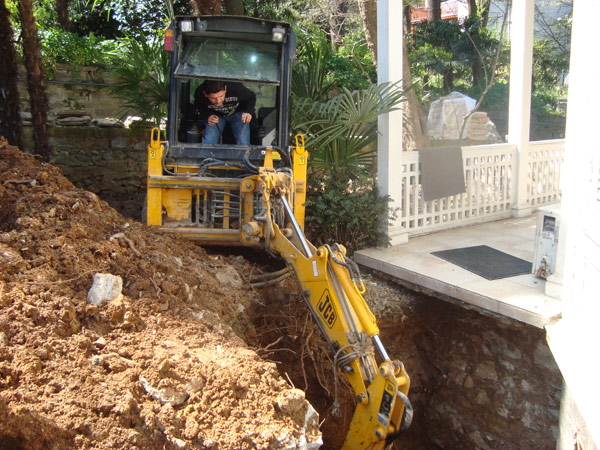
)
(142, 72)
(37, 94)
(10, 104)
(339, 129)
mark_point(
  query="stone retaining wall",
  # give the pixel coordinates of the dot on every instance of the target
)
(76, 89)
(477, 381)
(109, 161)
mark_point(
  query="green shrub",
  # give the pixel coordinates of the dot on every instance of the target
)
(68, 48)
(546, 103)
(141, 68)
(497, 97)
(348, 212)
(352, 66)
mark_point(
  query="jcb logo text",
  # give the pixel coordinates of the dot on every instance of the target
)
(326, 310)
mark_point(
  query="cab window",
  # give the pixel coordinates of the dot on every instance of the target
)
(224, 58)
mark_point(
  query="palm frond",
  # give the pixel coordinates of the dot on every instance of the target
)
(340, 129)
(351, 116)
(308, 77)
(142, 72)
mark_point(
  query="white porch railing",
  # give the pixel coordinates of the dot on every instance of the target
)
(543, 172)
(489, 187)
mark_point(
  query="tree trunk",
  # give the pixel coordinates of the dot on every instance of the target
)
(448, 76)
(62, 11)
(408, 20)
(206, 7)
(412, 116)
(337, 10)
(484, 12)
(434, 10)
(235, 7)
(368, 14)
(37, 94)
(10, 104)
(477, 64)
(472, 8)
(477, 71)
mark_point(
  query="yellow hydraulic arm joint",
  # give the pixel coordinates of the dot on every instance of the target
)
(331, 286)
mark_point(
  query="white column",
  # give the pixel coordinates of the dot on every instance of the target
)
(389, 142)
(519, 102)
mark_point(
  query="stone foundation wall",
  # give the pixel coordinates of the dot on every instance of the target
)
(477, 382)
(109, 161)
(81, 90)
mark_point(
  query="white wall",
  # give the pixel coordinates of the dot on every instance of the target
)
(574, 340)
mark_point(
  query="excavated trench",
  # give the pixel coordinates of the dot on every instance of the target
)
(287, 335)
(476, 381)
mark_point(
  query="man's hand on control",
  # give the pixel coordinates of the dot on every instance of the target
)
(246, 117)
(213, 120)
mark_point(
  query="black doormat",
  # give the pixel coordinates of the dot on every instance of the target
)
(486, 261)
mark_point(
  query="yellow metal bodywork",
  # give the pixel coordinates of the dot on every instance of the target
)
(299, 166)
(338, 307)
(154, 195)
(326, 281)
(170, 196)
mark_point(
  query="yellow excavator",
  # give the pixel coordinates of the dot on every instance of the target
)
(252, 194)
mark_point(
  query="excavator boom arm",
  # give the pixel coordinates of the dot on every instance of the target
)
(331, 286)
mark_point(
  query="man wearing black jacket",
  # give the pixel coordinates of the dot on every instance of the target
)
(219, 104)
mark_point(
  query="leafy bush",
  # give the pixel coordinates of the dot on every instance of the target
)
(353, 66)
(142, 70)
(345, 211)
(546, 102)
(59, 46)
(342, 130)
(495, 100)
(550, 66)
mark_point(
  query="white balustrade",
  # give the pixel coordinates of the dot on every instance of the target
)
(490, 187)
(543, 171)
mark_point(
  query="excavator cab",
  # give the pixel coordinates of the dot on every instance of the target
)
(194, 188)
(255, 52)
(254, 194)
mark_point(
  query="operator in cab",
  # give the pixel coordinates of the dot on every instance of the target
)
(219, 104)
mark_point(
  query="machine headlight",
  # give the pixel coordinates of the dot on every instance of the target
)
(186, 25)
(278, 34)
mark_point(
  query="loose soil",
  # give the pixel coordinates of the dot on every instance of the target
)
(163, 366)
(188, 357)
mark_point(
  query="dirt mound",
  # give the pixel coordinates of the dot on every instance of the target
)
(162, 366)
